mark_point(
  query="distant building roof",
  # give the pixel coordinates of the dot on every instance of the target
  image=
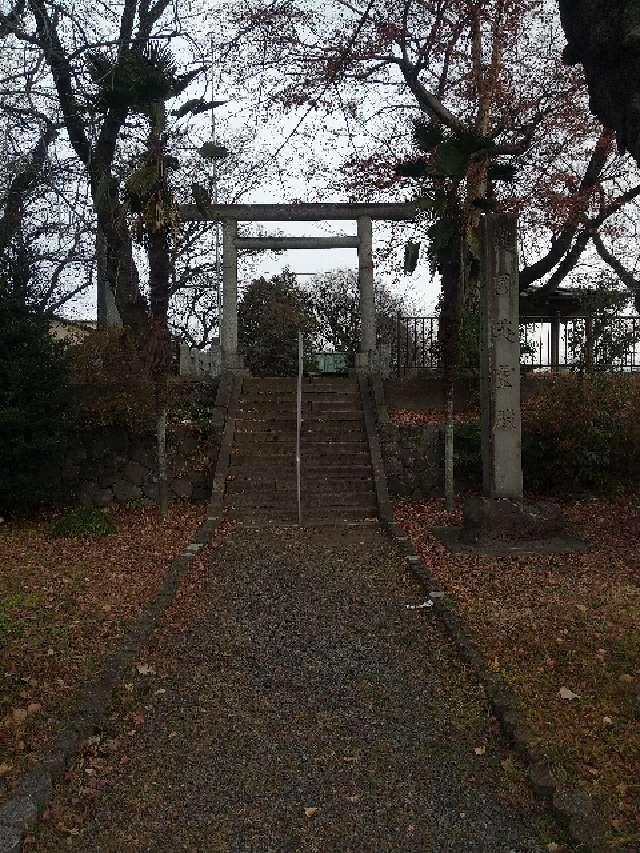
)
(66, 329)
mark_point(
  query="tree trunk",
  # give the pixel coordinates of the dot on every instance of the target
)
(159, 273)
(161, 436)
(448, 452)
(120, 272)
(108, 314)
(451, 266)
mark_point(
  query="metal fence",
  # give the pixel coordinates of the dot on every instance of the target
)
(598, 342)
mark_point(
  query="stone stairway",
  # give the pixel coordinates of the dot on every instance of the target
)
(337, 477)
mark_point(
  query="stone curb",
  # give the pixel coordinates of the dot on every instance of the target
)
(228, 398)
(35, 790)
(385, 513)
(571, 805)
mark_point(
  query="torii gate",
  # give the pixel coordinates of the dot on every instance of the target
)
(231, 214)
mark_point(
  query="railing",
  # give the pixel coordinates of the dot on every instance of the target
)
(299, 425)
(416, 343)
(600, 342)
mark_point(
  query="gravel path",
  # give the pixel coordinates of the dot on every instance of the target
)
(304, 708)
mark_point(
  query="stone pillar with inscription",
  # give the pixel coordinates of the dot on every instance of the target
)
(500, 359)
(501, 521)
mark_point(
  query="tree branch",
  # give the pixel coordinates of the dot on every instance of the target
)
(625, 275)
(22, 183)
(62, 78)
(568, 263)
(562, 243)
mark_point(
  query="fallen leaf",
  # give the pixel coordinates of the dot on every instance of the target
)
(310, 812)
(145, 669)
(480, 750)
(5, 768)
(565, 693)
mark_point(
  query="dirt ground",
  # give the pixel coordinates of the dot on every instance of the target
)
(565, 631)
(64, 605)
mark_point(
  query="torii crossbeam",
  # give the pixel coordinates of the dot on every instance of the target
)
(231, 214)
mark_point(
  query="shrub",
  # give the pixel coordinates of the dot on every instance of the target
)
(111, 382)
(582, 433)
(83, 524)
(192, 400)
(579, 434)
(269, 316)
(35, 404)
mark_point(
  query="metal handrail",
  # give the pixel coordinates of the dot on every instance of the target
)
(299, 425)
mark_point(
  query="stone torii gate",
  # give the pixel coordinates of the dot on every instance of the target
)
(231, 214)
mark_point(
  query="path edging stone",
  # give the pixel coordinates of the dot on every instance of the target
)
(385, 513)
(35, 789)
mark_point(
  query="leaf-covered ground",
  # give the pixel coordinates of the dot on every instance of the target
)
(565, 631)
(64, 604)
(296, 696)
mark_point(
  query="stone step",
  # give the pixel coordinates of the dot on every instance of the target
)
(331, 469)
(285, 419)
(289, 415)
(309, 516)
(367, 503)
(262, 485)
(311, 443)
(308, 391)
(334, 433)
(243, 479)
(269, 395)
(320, 465)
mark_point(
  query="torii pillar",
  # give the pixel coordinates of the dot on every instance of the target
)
(367, 297)
(229, 327)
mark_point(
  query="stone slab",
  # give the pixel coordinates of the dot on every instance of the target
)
(564, 543)
(491, 519)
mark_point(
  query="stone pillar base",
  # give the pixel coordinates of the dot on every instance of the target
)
(488, 520)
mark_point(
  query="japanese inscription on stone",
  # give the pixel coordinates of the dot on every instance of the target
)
(500, 358)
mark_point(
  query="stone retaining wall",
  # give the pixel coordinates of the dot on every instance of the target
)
(115, 465)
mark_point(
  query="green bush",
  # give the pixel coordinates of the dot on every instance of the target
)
(35, 404)
(83, 524)
(192, 400)
(579, 434)
(582, 433)
(270, 314)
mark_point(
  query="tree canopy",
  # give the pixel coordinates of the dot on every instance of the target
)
(604, 37)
